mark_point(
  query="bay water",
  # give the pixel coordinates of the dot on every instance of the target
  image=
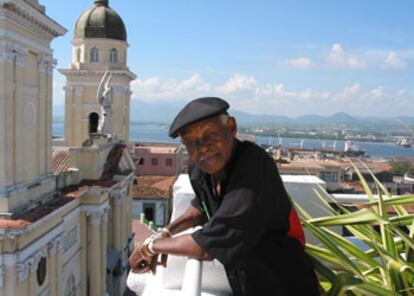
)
(153, 132)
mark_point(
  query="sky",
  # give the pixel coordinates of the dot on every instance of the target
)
(265, 57)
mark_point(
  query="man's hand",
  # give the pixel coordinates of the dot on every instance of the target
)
(139, 262)
(141, 259)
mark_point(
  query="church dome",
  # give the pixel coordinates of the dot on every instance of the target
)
(100, 22)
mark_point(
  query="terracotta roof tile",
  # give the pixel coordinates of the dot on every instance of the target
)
(154, 187)
(60, 161)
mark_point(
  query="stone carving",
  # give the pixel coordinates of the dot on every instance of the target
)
(70, 238)
(46, 64)
(11, 52)
(54, 245)
(1, 276)
(104, 98)
(22, 272)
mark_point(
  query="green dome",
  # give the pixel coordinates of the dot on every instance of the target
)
(100, 22)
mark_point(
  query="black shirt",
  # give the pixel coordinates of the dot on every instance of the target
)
(249, 224)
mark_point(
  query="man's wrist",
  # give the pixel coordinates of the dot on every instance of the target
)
(165, 231)
(146, 249)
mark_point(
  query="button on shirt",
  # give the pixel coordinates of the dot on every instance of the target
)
(249, 224)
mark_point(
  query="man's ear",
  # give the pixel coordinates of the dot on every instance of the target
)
(232, 125)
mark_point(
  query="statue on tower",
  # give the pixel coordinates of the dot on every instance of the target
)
(104, 98)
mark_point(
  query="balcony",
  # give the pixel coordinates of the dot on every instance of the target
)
(190, 277)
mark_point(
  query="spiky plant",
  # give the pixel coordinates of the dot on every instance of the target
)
(386, 267)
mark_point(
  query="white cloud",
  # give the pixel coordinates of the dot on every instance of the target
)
(247, 94)
(238, 83)
(393, 61)
(153, 88)
(300, 62)
(338, 58)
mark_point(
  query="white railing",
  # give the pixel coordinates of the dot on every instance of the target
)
(192, 278)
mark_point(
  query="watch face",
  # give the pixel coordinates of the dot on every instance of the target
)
(41, 271)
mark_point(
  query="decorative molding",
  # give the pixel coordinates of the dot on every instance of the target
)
(95, 208)
(105, 217)
(70, 238)
(22, 272)
(33, 261)
(40, 243)
(46, 63)
(9, 51)
(96, 218)
(78, 90)
(32, 16)
(117, 196)
(54, 245)
(28, 266)
(1, 276)
(73, 72)
(68, 91)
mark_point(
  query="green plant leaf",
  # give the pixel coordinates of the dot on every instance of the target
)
(402, 277)
(362, 216)
(347, 283)
(333, 248)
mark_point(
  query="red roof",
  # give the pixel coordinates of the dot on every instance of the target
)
(60, 161)
(154, 187)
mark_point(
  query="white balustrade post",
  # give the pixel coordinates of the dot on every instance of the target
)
(192, 278)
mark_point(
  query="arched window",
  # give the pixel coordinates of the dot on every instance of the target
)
(94, 55)
(78, 55)
(113, 56)
(93, 122)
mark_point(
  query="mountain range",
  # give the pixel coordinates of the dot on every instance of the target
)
(161, 112)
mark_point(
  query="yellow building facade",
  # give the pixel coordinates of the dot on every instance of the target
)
(65, 212)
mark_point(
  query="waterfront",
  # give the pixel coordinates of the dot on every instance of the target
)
(151, 132)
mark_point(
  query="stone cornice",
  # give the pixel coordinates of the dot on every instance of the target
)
(70, 72)
(35, 17)
(12, 233)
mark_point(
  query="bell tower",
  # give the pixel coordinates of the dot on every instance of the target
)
(97, 91)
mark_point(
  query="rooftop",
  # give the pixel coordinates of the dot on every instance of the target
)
(157, 149)
(154, 187)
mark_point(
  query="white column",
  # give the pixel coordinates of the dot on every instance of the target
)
(52, 266)
(117, 222)
(104, 248)
(192, 278)
(94, 253)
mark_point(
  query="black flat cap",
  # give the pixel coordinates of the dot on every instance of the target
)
(197, 110)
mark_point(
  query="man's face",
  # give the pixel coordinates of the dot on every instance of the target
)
(209, 143)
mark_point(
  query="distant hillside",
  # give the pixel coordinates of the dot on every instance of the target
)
(161, 112)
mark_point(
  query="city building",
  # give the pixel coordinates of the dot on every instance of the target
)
(27, 237)
(66, 211)
(330, 171)
(159, 159)
(152, 198)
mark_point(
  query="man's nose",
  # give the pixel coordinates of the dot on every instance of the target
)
(202, 146)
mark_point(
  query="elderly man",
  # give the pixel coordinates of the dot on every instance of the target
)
(248, 221)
